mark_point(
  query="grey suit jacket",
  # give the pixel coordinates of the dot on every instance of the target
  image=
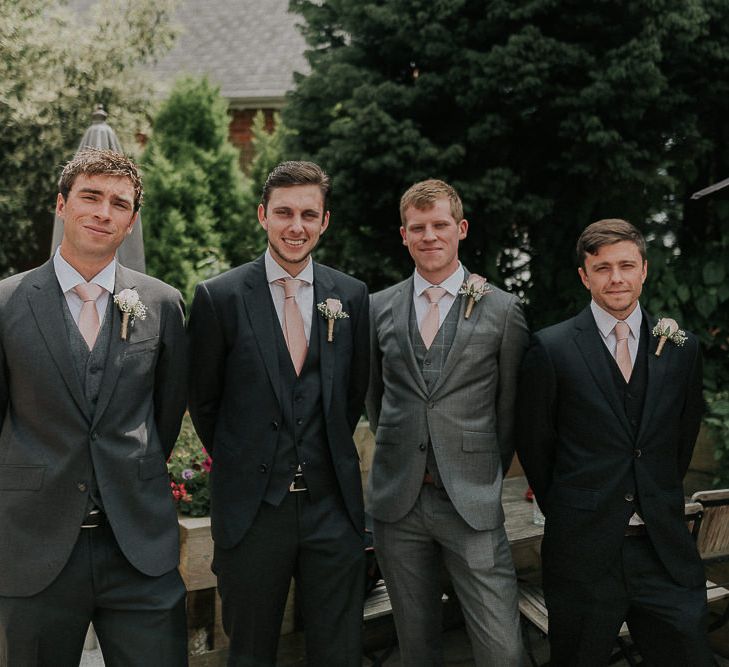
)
(49, 436)
(468, 416)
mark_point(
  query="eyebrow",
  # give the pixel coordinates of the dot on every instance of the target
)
(115, 197)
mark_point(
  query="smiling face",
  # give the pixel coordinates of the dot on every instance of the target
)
(98, 214)
(615, 276)
(294, 219)
(432, 235)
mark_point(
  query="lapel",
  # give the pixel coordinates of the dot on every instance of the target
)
(588, 340)
(325, 288)
(656, 373)
(401, 304)
(47, 308)
(123, 279)
(258, 304)
(464, 329)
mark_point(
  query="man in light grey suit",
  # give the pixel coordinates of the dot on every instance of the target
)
(441, 403)
(89, 412)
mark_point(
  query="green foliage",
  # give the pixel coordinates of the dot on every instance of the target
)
(546, 116)
(189, 470)
(54, 68)
(194, 187)
(250, 240)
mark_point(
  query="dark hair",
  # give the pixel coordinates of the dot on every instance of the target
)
(101, 162)
(607, 232)
(291, 173)
(424, 194)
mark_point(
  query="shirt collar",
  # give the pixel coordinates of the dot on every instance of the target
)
(451, 284)
(68, 277)
(274, 271)
(606, 322)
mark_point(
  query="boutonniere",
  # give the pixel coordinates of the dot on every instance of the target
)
(131, 308)
(667, 329)
(475, 287)
(331, 309)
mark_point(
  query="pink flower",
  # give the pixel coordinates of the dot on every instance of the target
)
(334, 306)
(476, 282)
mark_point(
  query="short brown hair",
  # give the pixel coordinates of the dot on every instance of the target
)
(607, 232)
(294, 172)
(101, 162)
(424, 194)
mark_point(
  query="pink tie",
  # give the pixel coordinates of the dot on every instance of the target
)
(622, 354)
(293, 324)
(88, 321)
(431, 322)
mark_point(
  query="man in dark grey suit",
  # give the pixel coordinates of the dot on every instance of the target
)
(89, 412)
(280, 356)
(606, 430)
(441, 404)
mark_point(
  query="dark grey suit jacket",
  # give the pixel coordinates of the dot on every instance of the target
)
(468, 416)
(49, 436)
(235, 391)
(583, 461)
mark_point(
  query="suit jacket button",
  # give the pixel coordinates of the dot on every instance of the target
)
(274, 425)
(637, 453)
(422, 447)
(431, 405)
(94, 436)
(263, 468)
(629, 497)
(82, 487)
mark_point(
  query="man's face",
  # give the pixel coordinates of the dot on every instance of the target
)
(615, 277)
(294, 221)
(97, 216)
(432, 235)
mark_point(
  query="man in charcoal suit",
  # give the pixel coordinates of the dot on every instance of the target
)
(275, 397)
(606, 429)
(441, 404)
(88, 418)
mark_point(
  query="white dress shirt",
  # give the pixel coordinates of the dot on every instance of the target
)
(606, 326)
(68, 278)
(451, 285)
(304, 297)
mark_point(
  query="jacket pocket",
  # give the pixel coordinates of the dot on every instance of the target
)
(21, 477)
(474, 441)
(142, 346)
(152, 466)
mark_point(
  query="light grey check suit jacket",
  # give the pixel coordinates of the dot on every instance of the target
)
(468, 415)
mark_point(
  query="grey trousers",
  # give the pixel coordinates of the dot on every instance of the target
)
(411, 552)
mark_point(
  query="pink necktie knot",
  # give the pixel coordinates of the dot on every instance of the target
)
(435, 294)
(88, 320)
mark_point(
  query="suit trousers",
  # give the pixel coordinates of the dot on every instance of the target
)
(139, 620)
(412, 551)
(317, 545)
(667, 621)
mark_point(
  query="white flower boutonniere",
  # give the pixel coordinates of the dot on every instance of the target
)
(667, 329)
(331, 309)
(475, 287)
(131, 308)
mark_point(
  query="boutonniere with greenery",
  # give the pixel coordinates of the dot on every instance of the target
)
(474, 287)
(131, 308)
(667, 329)
(331, 309)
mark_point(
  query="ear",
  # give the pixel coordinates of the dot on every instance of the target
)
(135, 217)
(404, 235)
(462, 229)
(644, 275)
(583, 277)
(262, 217)
(60, 205)
(324, 223)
